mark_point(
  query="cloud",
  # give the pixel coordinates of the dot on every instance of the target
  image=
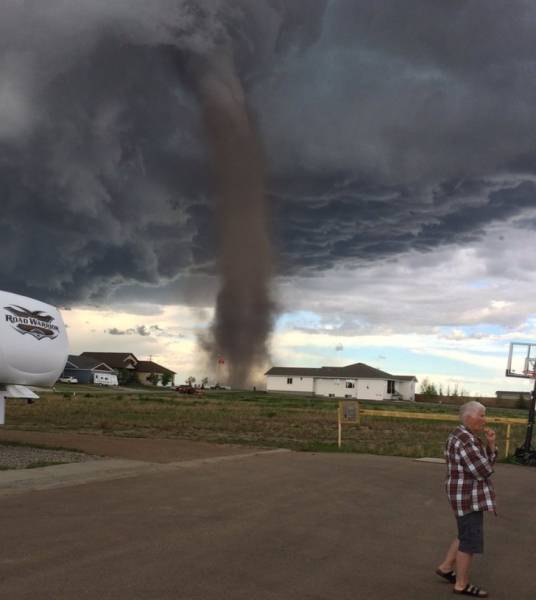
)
(142, 330)
(390, 143)
(417, 101)
(107, 175)
(115, 331)
(457, 291)
(349, 225)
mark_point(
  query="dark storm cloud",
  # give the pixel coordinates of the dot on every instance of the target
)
(351, 222)
(387, 127)
(406, 91)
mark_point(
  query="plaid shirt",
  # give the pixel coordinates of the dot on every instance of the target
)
(469, 467)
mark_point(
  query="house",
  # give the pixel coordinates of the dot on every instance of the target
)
(146, 369)
(89, 370)
(509, 395)
(358, 381)
(130, 368)
(116, 360)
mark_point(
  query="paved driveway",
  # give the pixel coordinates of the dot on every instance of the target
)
(258, 526)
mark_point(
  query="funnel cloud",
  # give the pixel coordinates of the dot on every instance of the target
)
(244, 309)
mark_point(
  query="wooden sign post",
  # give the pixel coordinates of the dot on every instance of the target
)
(348, 413)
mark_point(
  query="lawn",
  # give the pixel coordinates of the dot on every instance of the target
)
(251, 418)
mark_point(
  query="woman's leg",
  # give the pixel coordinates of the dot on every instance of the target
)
(449, 562)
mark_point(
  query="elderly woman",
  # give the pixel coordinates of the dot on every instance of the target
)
(470, 492)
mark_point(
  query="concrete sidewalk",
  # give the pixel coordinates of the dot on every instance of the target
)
(65, 475)
(266, 526)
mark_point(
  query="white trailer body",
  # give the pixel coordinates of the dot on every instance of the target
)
(33, 344)
(105, 379)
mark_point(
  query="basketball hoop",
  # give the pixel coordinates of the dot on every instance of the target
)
(521, 360)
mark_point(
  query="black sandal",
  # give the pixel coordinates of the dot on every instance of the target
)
(450, 576)
(472, 590)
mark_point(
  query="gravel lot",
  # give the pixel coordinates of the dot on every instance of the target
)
(21, 457)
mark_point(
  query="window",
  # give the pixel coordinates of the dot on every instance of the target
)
(390, 387)
(289, 380)
(350, 384)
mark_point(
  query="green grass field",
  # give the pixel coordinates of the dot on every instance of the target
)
(259, 419)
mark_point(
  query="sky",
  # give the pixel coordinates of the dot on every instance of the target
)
(399, 177)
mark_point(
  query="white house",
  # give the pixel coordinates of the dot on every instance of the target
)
(353, 381)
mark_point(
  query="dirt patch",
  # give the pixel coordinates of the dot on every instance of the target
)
(148, 449)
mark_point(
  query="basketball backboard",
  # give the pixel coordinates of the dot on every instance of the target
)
(521, 360)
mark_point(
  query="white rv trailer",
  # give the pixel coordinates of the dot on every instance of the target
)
(33, 346)
(105, 379)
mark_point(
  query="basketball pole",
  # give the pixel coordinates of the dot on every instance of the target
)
(530, 425)
(524, 455)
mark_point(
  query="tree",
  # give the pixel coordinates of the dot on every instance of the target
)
(126, 376)
(428, 388)
(166, 379)
(153, 378)
(204, 382)
(190, 380)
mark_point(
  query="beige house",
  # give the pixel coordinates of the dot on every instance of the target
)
(145, 369)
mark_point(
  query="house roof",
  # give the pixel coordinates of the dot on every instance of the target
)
(148, 366)
(404, 377)
(87, 363)
(117, 360)
(357, 370)
(293, 371)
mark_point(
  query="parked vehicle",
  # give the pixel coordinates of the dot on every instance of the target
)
(105, 379)
(33, 342)
(68, 380)
(33, 347)
(185, 389)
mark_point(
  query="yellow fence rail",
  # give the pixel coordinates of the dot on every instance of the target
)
(348, 414)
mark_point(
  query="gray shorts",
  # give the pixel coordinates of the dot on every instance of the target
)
(471, 532)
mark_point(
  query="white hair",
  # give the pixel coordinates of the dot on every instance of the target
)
(470, 408)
